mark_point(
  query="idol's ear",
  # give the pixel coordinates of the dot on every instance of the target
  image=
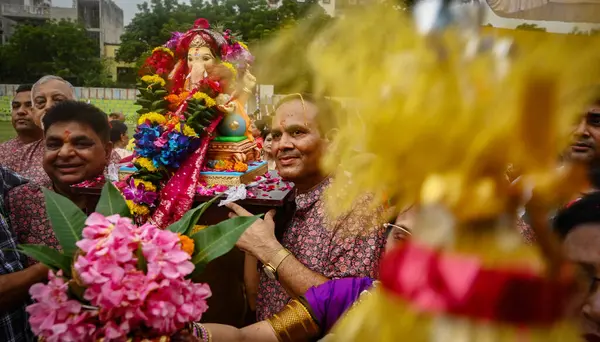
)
(175, 69)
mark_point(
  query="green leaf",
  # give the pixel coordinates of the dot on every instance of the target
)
(214, 241)
(48, 256)
(189, 220)
(142, 263)
(111, 202)
(67, 220)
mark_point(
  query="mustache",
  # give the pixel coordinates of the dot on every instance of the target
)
(586, 143)
(288, 154)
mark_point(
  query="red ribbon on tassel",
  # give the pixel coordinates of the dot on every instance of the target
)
(438, 282)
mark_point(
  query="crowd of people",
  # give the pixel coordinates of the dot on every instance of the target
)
(299, 283)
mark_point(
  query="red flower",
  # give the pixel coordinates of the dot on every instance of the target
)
(160, 62)
(201, 24)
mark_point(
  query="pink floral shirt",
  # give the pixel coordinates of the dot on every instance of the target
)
(349, 246)
(25, 159)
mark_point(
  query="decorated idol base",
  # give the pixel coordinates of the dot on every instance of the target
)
(229, 178)
(214, 177)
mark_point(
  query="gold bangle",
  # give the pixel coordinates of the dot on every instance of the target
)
(294, 323)
(246, 90)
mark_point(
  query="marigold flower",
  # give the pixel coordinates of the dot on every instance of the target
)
(208, 101)
(147, 185)
(176, 100)
(240, 166)
(187, 244)
(137, 209)
(189, 131)
(146, 163)
(153, 117)
(224, 165)
(231, 68)
(154, 79)
(163, 49)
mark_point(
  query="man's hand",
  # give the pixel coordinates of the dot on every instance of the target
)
(259, 239)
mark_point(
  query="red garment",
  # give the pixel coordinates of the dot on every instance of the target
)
(25, 159)
(347, 247)
(259, 142)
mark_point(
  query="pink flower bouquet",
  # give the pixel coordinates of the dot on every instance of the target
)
(115, 280)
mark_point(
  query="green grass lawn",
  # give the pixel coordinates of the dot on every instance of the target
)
(6, 131)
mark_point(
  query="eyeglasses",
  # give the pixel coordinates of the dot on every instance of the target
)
(404, 230)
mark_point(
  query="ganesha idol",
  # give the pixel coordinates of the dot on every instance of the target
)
(206, 59)
(193, 127)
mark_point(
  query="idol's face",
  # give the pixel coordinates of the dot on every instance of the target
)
(199, 61)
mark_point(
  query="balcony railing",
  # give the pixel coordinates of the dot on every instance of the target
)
(25, 12)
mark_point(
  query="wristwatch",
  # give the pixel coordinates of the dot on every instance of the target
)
(271, 267)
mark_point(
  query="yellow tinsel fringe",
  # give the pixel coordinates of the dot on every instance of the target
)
(384, 318)
(437, 126)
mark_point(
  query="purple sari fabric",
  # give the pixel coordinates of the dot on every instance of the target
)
(329, 301)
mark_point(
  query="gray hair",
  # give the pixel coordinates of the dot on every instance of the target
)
(50, 78)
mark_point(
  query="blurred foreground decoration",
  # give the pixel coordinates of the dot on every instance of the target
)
(442, 112)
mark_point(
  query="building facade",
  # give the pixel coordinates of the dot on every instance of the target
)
(103, 19)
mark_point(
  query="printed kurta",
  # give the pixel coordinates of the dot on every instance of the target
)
(347, 247)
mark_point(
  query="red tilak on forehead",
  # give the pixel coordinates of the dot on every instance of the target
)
(66, 135)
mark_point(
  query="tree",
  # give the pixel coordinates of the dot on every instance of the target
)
(530, 27)
(254, 20)
(152, 27)
(60, 48)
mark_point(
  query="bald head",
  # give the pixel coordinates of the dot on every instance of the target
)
(48, 91)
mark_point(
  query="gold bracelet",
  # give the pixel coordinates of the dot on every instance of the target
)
(294, 323)
(246, 90)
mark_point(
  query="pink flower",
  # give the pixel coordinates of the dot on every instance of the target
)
(127, 298)
(176, 303)
(56, 317)
(164, 255)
